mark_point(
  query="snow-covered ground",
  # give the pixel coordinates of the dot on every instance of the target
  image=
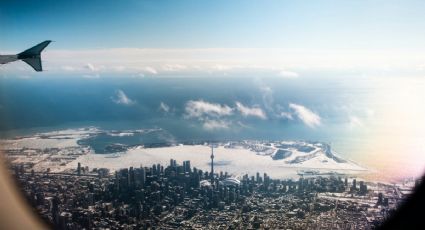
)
(56, 139)
(236, 161)
(60, 151)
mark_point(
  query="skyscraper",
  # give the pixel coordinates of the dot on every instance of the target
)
(186, 166)
(79, 169)
(212, 164)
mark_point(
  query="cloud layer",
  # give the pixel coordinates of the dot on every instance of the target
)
(215, 116)
(277, 62)
(288, 74)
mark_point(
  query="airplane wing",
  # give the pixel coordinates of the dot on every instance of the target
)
(7, 58)
(35, 63)
(32, 55)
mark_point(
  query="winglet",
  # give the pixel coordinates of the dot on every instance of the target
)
(32, 55)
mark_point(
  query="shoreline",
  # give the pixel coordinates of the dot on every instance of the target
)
(68, 142)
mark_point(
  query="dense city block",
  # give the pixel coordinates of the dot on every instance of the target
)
(179, 196)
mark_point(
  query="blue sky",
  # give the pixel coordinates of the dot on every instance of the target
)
(320, 24)
(166, 37)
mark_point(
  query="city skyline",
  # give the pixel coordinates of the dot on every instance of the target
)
(178, 196)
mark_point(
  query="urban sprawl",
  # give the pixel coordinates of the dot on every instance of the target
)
(178, 196)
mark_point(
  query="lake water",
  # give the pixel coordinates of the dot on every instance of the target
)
(376, 121)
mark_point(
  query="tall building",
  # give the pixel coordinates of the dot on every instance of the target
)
(363, 188)
(186, 166)
(131, 178)
(79, 169)
(55, 210)
(140, 176)
(380, 199)
(212, 164)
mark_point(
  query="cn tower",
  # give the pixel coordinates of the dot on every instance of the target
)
(212, 164)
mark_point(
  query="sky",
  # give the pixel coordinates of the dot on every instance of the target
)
(141, 36)
(214, 24)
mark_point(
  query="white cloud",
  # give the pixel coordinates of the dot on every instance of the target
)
(250, 111)
(68, 68)
(200, 108)
(174, 67)
(267, 96)
(164, 107)
(91, 67)
(221, 67)
(288, 74)
(211, 114)
(151, 70)
(212, 125)
(93, 71)
(286, 115)
(307, 116)
(122, 98)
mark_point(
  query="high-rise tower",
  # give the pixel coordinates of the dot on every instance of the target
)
(212, 164)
